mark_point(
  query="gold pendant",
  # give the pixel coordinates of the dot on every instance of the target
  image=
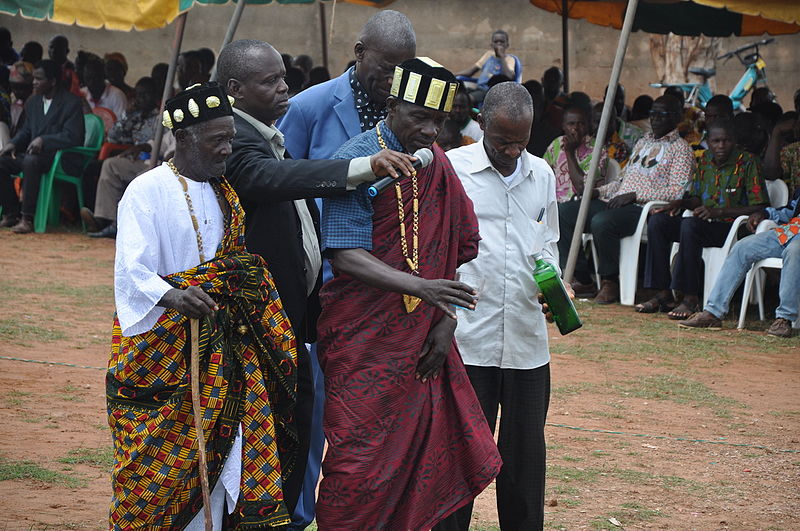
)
(411, 303)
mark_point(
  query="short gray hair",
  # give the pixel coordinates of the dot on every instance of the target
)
(391, 29)
(508, 99)
(233, 60)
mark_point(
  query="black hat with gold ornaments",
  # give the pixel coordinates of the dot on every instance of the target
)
(425, 82)
(198, 103)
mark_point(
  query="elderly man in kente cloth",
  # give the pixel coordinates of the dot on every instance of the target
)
(408, 442)
(181, 256)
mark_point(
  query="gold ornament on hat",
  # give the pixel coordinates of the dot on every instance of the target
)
(177, 114)
(231, 100)
(212, 102)
(166, 120)
(194, 109)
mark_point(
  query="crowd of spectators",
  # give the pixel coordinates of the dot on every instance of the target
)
(711, 163)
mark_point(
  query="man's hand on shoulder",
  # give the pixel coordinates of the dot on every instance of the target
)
(192, 302)
(435, 349)
(387, 162)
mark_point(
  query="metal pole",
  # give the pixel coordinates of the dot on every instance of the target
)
(323, 34)
(173, 61)
(232, 25)
(565, 43)
(588, 187)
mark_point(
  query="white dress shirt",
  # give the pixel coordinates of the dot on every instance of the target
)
(507, 329)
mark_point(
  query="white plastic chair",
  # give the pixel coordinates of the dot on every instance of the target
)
(778, 193)
(714, 257)
(755, 277)
(629, 255)
(612, 174)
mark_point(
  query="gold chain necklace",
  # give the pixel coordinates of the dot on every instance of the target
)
(409, 301)
(196, 226)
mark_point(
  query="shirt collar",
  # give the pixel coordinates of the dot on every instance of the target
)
(670, 137)
(481, 162)
(730, 162)
(269, 132)
(389, 137)
(359, 93)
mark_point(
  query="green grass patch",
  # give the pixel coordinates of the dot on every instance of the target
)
(570, 390)
(570, 474)
(15, 398)
(628, 514)
(99, 457)
(676, 389)
(28, 470)
(21, 333)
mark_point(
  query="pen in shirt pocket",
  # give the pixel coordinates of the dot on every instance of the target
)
(540, 216)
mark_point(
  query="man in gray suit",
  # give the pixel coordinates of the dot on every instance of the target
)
(53, 121)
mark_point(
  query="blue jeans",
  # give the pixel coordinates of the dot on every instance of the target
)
(744, 254)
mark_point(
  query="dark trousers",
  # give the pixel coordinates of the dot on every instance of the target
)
(523, 396)
(608, 228)
(303, 412)
(567, 216)
(32, 168)
(693, 234)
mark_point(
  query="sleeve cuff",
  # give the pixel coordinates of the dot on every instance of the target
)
(359, 172)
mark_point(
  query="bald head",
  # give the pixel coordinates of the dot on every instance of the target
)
(389, 28)
(508, 99)
(235, 59)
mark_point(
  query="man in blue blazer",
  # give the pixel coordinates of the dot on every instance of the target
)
(53, 121)
(325, 116)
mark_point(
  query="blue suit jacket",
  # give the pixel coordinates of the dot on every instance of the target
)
(320, 119)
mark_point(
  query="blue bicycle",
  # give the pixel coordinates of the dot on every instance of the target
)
(698, 94)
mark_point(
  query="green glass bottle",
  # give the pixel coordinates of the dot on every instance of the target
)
(556, 297)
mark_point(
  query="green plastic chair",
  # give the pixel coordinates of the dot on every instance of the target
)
(48, 203)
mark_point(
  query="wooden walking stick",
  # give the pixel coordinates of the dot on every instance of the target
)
(198, 421)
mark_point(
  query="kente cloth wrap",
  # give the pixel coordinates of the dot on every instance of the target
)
(402, 454)
(248, 363)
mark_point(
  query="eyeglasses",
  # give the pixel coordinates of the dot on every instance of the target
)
(661, 114)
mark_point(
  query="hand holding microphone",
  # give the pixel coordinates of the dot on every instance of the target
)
(424, 157)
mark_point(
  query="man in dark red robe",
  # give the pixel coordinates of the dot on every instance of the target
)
(408, 443)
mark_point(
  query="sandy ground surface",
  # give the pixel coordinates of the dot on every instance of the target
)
(649, 426)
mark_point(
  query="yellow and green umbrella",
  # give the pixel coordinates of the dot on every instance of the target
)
(124, 15)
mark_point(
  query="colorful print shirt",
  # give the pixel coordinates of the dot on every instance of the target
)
(790, 164)
(738, 182)
(556, 157)
(657, 170)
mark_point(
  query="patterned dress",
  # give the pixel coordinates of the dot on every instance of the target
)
(248, 361)
(402, 454)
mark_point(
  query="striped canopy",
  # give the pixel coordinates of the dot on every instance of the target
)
(714, 18)
(124, 15)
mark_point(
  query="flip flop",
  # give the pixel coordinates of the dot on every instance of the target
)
(654, 305)
(683, 315)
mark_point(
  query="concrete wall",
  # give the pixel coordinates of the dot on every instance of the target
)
(454, 32)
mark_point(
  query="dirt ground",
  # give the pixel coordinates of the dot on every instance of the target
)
(649, 426)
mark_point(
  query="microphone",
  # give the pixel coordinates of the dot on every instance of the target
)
(424, 157)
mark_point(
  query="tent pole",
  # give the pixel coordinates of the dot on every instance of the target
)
(232, 25)
(565, 43)
(323, 34)
(173, 61)
(577, 235)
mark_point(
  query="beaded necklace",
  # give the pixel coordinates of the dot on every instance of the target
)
(409, 301)
(195, 224)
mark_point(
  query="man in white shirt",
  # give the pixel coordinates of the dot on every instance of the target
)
(503, 342)
(100, 93)
(181, 256)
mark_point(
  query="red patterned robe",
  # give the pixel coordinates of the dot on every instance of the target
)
(402, 454)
